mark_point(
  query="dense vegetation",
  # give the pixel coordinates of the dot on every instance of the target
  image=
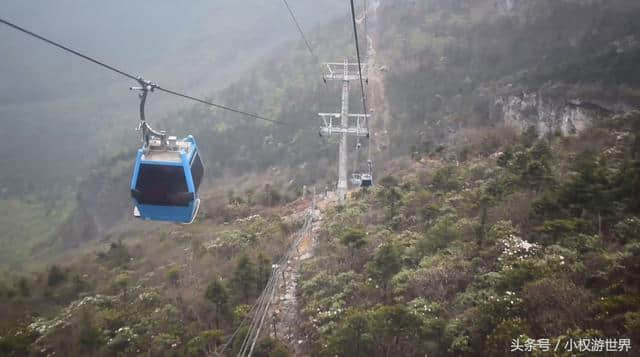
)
(180, 293)
(526, 238)
(481, 234)
(449, 61)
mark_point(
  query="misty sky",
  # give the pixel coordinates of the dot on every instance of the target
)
(132, 35)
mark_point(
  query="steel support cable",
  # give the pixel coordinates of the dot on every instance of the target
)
(219, 106)
(258, 307)
(237, 330)
(68, 50)
(366, 41)
(136, 78)
(355, 34)
(255, 309)
(250, 313)
(306, 42)
(261, 298)
(274, 286)
(265, 300)
(270, 289)
(293, 17)
(267, 296)
(257, 316)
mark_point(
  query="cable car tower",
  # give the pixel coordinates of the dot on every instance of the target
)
(350, 124)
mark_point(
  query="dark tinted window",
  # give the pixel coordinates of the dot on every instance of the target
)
(162, 185)
(197, 171)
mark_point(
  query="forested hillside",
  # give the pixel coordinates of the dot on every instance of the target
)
(446, 66)
(451, 63)
(506, 207)
(526, 238)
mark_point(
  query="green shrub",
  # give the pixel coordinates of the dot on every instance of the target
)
(23, 287)
(271, 347)
(553, 231)
(446, 179)
(173, 275)
(56, 276)
(353, 337)
(627, 230)
(117, 255)
(204, 343)
(555, 304)
(438, 237)
(500, 339)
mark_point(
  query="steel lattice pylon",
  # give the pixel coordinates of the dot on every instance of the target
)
(350, 124)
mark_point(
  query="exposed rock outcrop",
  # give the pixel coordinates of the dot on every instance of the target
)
(547, 114)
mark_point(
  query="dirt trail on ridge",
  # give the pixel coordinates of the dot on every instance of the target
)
(380, 122)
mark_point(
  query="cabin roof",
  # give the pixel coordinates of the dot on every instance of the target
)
(168, 154)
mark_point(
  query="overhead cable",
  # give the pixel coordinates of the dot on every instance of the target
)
(293, 17)
(136, 78)
(355, 33)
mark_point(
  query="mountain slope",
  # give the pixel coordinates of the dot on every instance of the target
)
(513, 190)
(449, 62)
(538, 241)
(444, 66)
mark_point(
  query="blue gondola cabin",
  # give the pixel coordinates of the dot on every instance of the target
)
(165, 180)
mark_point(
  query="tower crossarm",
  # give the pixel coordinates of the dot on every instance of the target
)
(331, 123)
(344, 71)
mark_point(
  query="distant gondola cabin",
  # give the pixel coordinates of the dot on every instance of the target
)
(366, 180)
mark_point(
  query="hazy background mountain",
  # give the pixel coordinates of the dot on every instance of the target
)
(59, 113)
(64, 120)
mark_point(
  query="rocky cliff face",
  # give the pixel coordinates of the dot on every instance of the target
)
(549, 115)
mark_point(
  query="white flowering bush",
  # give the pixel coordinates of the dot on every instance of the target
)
(509, 299)
(512, 247)
(429, 312)
(42, 326)
(230, 240)
(248, 231)
(165, 341)
(124, 336)
(327, 295)
(515, 248)
(148, 298)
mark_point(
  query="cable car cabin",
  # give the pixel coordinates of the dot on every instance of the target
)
(165, 181)
(366, 180)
